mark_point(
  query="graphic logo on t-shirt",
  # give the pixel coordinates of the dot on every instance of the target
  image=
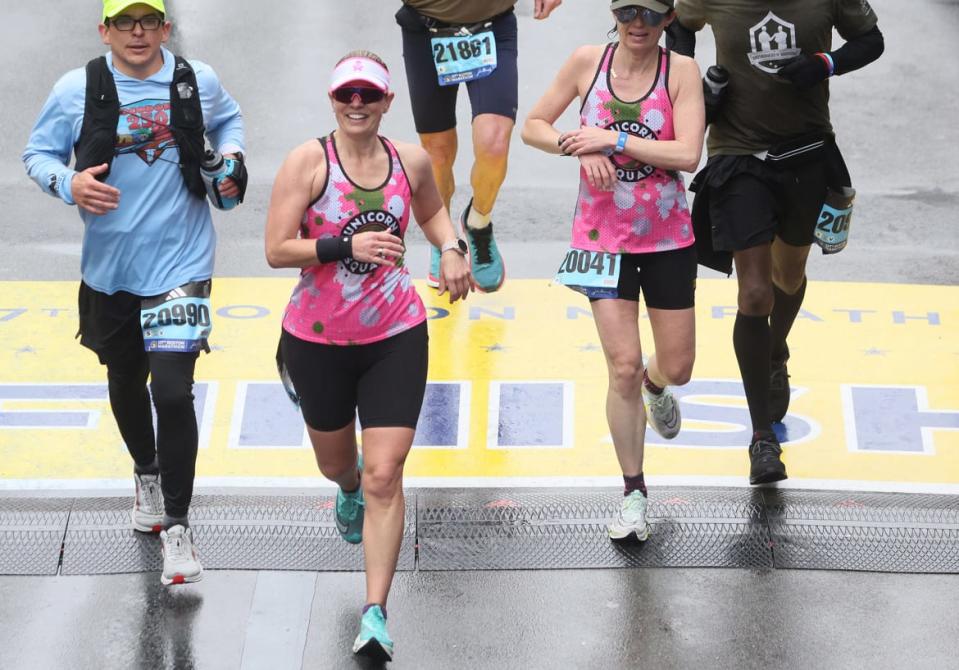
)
(629, 169)
(372, 221)
(144, 130)
(772, 41)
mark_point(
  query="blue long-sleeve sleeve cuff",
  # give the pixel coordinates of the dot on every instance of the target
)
(48, 151)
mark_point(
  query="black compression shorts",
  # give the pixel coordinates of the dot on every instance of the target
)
(434, 106)
(384, 381)
(667, 279)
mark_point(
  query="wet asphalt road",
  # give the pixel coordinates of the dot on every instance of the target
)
(893, 119)
(895, 122)
(616, 619)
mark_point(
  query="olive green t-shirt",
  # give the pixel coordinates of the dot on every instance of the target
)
(762, 109)
(460, 12)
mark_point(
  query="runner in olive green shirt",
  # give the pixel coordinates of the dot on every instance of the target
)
(774, 178)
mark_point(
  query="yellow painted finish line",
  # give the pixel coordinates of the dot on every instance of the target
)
(517, 392)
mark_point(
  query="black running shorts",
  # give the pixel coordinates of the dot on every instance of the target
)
(110, 324)
(434, 106)
(758, 202)
(384, 381)
(667, 279)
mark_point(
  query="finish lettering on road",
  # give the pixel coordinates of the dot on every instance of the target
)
(521, 415)
(569, 313)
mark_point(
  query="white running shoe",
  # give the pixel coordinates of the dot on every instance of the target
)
(662, 413)
(180, 563)
(631, 519)
(147, 504)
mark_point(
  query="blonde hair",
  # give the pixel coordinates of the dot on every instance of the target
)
(363, 53)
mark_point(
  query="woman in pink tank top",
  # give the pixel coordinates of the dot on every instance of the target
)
(354, 337)
(641, 122)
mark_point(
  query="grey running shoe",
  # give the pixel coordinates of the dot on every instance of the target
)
(631, 519)
(147, 504)
(662, 413)
(180, 562)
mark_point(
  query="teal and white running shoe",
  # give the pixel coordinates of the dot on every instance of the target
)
(373, 640)
(631, 519)
(486, 262)
(433, 278)
(348, 513)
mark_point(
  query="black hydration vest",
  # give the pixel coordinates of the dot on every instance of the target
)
(101, 114)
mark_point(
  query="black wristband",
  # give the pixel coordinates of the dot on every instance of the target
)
(331, 249)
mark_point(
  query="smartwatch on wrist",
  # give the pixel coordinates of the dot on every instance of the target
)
(458, 245)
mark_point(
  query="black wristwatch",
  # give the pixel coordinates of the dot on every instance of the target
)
(458, 245)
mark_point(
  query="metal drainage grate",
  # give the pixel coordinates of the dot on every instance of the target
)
(883, 532)
(504, 530)
(31, 534)
(100, 540)
(283, 533)
(231, 532)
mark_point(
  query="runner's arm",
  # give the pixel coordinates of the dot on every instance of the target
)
(682, 153)
(48, 151)
(221, 113)
(224, 121)
(435, 222)
(538, 129)
(680, 39)
(859, 51)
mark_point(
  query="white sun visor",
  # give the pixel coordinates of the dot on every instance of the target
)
(360, 69)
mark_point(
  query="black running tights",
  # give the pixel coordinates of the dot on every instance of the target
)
(174, 447)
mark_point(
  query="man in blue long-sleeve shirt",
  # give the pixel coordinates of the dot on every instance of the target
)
(135, 119)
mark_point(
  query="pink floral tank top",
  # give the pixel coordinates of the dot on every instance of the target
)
(646, 211)
(349, 302)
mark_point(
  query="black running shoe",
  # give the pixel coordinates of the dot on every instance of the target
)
(765, 459)
(778, 389)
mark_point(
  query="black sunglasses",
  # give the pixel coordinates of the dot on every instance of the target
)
(126, 24)
(367, 95)
(629, 14)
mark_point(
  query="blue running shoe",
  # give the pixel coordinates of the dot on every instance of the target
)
(486, 263)
(433, 278)
(348, 513)
(373, 641)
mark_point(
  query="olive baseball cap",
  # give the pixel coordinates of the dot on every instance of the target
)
(661, 6)
(113, 7)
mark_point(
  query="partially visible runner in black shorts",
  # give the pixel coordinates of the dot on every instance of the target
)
(434, 106)
(436, 34)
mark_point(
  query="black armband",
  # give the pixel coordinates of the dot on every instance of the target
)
(680, 39)
(331, 249)
(858, 52)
